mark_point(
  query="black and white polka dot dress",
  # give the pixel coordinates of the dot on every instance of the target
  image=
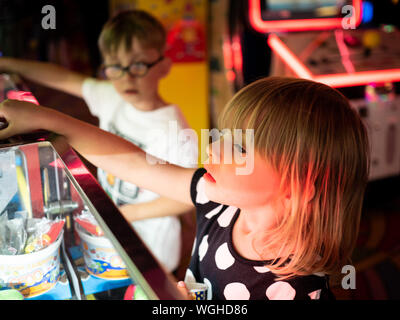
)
(228, 275)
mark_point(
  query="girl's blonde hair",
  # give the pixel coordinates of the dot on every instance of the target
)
(319, 146)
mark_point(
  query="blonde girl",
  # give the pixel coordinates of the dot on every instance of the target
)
(276, 233)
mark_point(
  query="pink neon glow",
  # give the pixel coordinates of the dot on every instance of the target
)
(230, 75)
(359, 78)
(237, 53)
(288, 57)
(22, 96)
(227, 53)
(344, 52)
(297, 25)
(333, 80)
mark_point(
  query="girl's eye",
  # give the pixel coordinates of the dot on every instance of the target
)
(239, 148)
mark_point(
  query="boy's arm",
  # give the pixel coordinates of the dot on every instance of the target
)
(110, 152)
(45, 73)
(160, 207)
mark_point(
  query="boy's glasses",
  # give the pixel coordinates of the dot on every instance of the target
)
(136, 69)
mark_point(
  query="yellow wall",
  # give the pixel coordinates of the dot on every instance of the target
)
(187, 86)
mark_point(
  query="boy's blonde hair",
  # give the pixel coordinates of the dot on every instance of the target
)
(125, 26)
(316, 142)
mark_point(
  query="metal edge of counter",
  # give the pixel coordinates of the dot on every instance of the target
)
(142, 266)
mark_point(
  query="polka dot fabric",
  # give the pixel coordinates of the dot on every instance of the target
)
(228, 275)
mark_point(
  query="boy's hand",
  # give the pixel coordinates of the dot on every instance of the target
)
(19, 117)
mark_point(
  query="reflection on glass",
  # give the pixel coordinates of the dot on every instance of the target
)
(51, 243)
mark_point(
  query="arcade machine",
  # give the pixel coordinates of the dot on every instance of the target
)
(336, 42)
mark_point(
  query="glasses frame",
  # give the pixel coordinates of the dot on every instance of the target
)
(127, 68)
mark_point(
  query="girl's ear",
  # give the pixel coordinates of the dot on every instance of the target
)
(309, 196)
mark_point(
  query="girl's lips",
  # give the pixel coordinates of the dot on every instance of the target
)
(209, 177)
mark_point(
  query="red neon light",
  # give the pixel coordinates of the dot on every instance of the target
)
(333, 80)
(230, 75)
(232, 57)
(297, 25)
(288, 57)
(227, 53)
(359, 78)
(237, 53)
(344, 52)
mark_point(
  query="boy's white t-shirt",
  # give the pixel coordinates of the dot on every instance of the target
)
(152, 131)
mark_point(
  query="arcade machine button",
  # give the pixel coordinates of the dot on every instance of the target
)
(352, 41)
(312, 62)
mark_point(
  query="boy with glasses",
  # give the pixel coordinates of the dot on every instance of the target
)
(128, 104)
